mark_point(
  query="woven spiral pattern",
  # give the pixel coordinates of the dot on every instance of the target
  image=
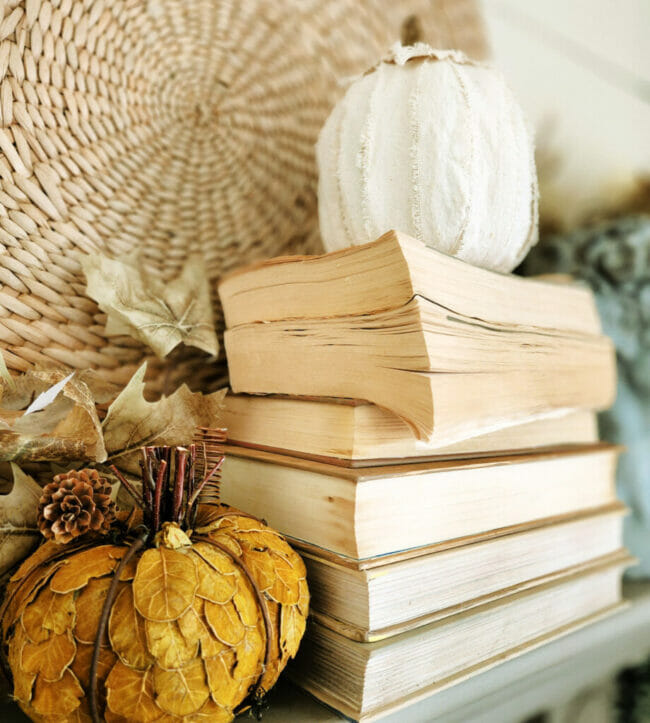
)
(168, 126)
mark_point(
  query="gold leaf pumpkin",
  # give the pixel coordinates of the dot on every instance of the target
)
(201, 625)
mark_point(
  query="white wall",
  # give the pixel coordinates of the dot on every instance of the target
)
(581, 69)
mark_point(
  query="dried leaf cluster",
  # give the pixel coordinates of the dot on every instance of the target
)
(69, 429)
(199, 624)
(66, 429)
(132, 422)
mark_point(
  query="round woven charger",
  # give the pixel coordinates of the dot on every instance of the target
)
(168, 126)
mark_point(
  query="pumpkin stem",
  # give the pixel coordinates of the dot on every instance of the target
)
(411, 31)
(179, 483)
(126, 484)
(158, 495)
(137, 544)
(170, 487)
(192, 470)
(148, 485)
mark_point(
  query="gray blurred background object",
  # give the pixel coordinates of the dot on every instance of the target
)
(613, 257)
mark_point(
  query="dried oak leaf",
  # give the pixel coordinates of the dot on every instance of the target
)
(102, 391)
(130, 693)
(181, 692)
(165, 584)
(161, 314)
(68, 427)
(126, 632)
(133, 422)
(18, 519)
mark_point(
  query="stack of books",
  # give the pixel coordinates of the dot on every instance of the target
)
(424, 433)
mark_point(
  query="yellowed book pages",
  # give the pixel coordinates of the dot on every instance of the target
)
(385, 599)
(387, 274)
(449, 377)
(367, 680)
(356, 433)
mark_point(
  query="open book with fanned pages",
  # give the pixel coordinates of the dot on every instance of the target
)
(452, 350)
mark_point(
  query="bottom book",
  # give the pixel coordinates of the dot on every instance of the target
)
(365, 681)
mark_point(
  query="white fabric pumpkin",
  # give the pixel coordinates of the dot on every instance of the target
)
(435, 145)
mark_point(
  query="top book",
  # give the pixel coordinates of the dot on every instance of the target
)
(453, 350)
(387, 274)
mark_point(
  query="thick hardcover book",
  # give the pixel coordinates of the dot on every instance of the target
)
(360, 513)
(376, 599)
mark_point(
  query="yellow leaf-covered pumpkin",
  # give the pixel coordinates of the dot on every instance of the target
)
(183, 623)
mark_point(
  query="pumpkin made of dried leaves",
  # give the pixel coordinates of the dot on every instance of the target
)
(202, 624)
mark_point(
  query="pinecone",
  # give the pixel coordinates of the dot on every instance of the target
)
(75, 503)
